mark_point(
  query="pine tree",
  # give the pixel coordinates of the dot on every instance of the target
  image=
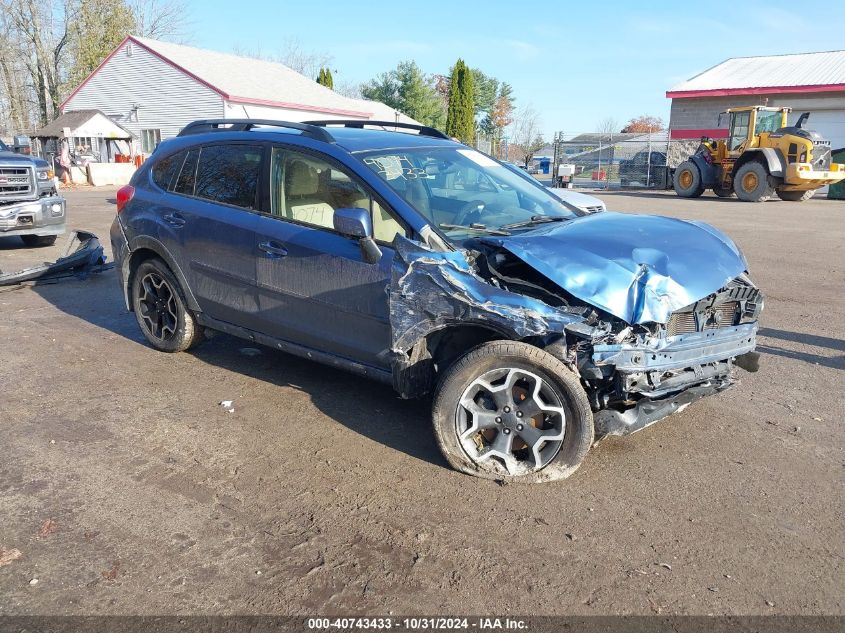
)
(460, 115)
(324, 78)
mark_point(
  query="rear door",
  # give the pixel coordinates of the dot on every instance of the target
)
(213, 210)
(314, 286)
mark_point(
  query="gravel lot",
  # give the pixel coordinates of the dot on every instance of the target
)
(127, 489)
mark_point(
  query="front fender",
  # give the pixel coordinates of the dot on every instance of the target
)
(771, 157)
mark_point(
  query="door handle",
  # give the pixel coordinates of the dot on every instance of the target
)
(272, 249)
(174, 219)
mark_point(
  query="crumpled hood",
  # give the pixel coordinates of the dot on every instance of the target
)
(639, 268)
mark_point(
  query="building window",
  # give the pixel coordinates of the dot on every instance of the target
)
(149, 140)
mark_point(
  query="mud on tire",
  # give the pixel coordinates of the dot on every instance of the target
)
(161, 310)
(510, 411)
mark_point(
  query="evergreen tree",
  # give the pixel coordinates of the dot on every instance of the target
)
(460, 115)
(324, 78)
(408, 90)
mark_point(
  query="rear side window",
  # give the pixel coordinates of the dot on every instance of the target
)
(188, 175)
(229, 174)
(165, 169)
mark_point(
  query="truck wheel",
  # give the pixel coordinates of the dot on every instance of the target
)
(752, 184)
(723, 192)
(687, 180)
(510, 411)
(161, 309)
(38, 240)
(796, 196)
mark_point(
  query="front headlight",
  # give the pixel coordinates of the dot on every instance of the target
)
(44, 174)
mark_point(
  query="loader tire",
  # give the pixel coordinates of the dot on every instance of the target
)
(796, 196)
(687, 180)
(752, 182)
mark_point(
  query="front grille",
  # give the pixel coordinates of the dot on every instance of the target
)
(723, 315)
(821, 155)
(16, 182)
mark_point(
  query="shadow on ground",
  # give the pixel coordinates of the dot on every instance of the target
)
(367, 407)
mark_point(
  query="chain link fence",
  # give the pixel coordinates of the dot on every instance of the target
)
(610, 161)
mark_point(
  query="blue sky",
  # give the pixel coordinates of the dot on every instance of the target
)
(576, 64)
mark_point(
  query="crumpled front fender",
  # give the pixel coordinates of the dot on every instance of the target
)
(430, 290)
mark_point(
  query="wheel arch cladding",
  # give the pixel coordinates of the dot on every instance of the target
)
(143, 248)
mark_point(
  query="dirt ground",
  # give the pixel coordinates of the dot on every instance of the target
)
(127, 489)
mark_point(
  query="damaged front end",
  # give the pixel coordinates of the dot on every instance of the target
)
(83, 254)
(645, 334)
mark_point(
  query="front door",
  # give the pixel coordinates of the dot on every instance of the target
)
(314, 286)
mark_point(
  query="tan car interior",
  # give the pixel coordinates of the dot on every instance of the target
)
(313, 190)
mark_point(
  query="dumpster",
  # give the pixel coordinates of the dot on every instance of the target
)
(836, 191)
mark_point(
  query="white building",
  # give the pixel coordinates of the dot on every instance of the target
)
(808, 82)
(153, 89)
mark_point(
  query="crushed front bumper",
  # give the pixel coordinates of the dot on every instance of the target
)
(662, 376)
(45, 216)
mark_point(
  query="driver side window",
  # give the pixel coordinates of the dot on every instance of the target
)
(739, 129)
(307, 190)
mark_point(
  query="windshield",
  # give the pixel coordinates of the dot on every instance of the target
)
(3, 147)
(464, 192)
(767, 121)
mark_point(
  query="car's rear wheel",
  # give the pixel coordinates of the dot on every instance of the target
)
(510, 411)
(687, 180)
(161, 309)
(38, 240)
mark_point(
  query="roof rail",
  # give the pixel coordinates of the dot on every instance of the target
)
(244, 125)
(424, 130)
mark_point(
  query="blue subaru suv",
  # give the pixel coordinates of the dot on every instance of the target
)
(394, 252)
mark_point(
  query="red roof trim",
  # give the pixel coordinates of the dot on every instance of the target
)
(698, 133)
(295, 106)
(228, 97)
(768, 90)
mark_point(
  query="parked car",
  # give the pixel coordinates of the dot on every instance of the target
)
(30, 206)
(574, 200)
(647, 169)
(420, 262)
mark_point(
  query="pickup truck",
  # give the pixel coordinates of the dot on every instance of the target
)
(30, 206)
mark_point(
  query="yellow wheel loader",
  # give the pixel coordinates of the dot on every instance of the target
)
(762, 156)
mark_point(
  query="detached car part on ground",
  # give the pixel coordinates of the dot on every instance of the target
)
(30, 206)
(83, 254)
(536, 328)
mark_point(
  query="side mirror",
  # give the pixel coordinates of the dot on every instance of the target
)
(356, 222)
(353, 222)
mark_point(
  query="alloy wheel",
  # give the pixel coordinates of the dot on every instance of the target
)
(510, 418)
(157, 306)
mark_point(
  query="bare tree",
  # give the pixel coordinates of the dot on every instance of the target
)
(15, 95)
(305, 62)
(162, 19)
(607, 127)
(526, 135)
(348, 89)
(44, 31)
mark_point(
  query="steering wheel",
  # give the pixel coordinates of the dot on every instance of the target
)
(464, 213)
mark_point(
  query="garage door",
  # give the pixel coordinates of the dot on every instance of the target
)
(829, 123)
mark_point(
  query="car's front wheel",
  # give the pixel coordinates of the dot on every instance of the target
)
(511, 411)
(161, 309)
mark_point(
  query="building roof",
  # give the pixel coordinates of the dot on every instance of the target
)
(76, 120)
(772, 74)
(255, 82)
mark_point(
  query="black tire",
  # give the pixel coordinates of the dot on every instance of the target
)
(562, 409)
(161, 310)
(39, 240)
(687, 180)
(722, 192)
(752, 182)
(796, 196)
